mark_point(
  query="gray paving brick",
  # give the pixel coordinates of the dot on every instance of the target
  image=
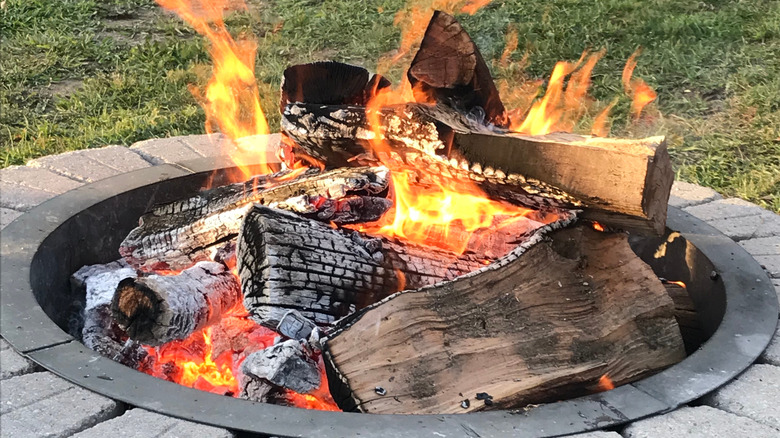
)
(42, 404)
(771, 263)
(685, 194)
(754, 394)
(7, 216)
(13, 364)
(762, 246)
(698, 422)
(90, 165)
(772, 353)
(22, 187)
(153, 425)
(165, 150)
(737, 218)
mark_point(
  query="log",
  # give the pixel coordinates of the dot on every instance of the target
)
(287, 262)
(449, 68)
(177, 235)
(686, 315)
(535, 327)
(624, 183)
(157, 309)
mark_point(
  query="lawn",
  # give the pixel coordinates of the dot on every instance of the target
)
(86, 73)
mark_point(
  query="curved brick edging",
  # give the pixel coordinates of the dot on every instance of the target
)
(748, 405)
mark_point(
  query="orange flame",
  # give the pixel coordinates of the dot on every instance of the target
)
(641, 94)
(601, 127)
(598, 227)
(605, 383)
(231, 98)
(509, 47)
(472, 6)
(678, 283)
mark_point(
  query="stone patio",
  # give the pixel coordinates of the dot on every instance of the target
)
(36, 403)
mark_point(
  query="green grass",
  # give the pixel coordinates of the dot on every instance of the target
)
(86, 73)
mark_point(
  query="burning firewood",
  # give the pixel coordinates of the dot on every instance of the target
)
(284, 366)
(157, 309)
(289, 262)
(176, 235)
(535, 326)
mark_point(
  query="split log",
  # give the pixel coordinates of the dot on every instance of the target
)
(686, 315)
(288, 262)
(448, 68)
(177, 235)
(284, 366)
(534, 327)
(157, 309)
(624, 183)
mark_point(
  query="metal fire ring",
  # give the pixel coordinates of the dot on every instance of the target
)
(55, 238)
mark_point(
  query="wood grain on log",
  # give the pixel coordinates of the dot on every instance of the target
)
(157, 309)
(288, 262)
(449, 69)
(532, 328)
(176, 235)
(624, 183)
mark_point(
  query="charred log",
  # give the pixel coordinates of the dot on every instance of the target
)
(552, 322)
(449, 69)
(177, 235)
(287, 262)
(284, 366)
(157, 309)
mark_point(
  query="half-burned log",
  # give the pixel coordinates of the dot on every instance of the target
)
(448, 68)
(624, 183)
(176, 235)
(157, 309)
(532, 328)
(285, 365)
(288, 262)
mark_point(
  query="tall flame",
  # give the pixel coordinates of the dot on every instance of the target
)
(231, 97)
(641, 94)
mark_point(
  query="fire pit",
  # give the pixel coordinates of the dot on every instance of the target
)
(735, 310)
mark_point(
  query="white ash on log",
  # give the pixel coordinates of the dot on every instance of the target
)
(535, 327)
(284, 366)
(157, 309)
(100, 332)
(176, 235)
(287, 262)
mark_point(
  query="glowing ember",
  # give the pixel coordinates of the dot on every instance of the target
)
(597, 226)
(678, 283)
(641, 94)
(605, 383)
(231, 99)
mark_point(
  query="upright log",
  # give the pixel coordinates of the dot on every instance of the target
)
(157, 309)
(535, 327)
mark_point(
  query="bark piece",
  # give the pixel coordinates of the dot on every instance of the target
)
(157, 309)
(531, 328)
(449, 69)
(287, 262)
(176, 235)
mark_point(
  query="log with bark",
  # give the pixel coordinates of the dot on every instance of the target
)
(287, 262)
(532, 328)
(176, 235)
(156, 309)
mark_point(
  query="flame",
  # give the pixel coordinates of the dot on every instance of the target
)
(678, 283)
(605, 383)
(641, 94)
(510, 46)
(600, 123)
(597, 226)
(231, 97)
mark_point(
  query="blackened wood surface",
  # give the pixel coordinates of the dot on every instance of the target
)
(544, 326)
(449, 69)
(176, 235)
(157, 309)
(288, 262)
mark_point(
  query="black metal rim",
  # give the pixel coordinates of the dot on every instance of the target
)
(746, 328)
